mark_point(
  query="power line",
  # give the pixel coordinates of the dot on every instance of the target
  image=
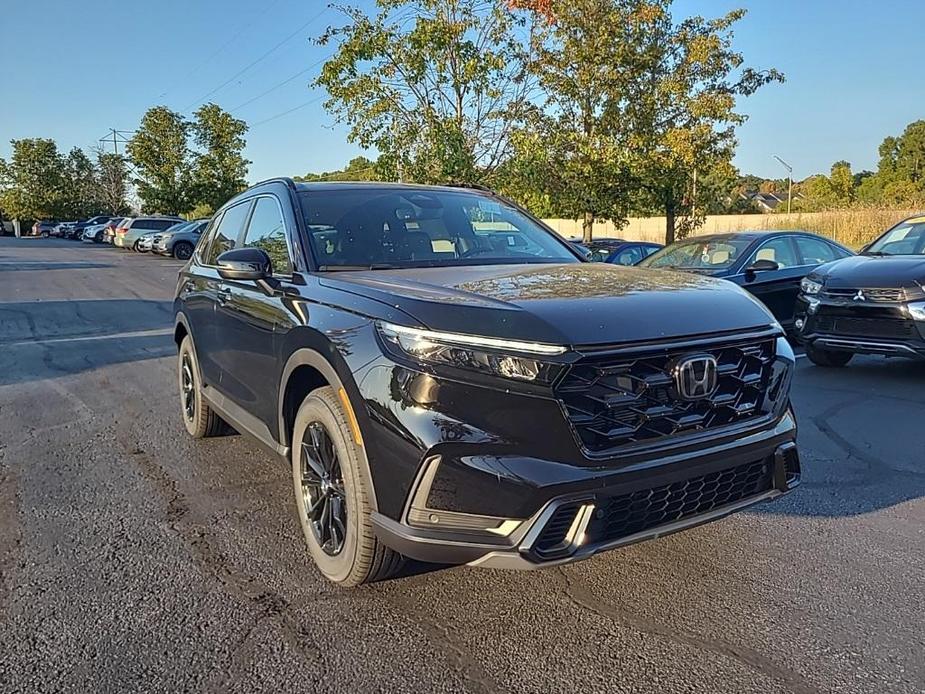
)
(287, 111)
(247, 25)
(280, 84)
(254, 62)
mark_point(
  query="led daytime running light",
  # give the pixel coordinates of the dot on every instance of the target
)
(475, 340)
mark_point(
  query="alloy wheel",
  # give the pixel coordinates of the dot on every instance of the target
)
(183, 251)
(187, 388)
(323, 493)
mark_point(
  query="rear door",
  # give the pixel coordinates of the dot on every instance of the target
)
(776, 289)
(247, 320)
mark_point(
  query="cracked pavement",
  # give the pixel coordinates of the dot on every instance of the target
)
(135, 559)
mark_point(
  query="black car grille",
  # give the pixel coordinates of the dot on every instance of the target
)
(621, 516)
(618, 400)
(865, 327)
(869, 294)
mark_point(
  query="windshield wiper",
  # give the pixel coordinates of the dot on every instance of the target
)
(878, 254)
(347, 268)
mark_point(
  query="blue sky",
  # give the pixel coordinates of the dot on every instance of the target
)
(71, 70)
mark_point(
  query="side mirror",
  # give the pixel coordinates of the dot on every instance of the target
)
(763, 266)
(245, 264)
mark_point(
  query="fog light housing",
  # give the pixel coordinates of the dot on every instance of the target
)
(917, 311)
(799, 323)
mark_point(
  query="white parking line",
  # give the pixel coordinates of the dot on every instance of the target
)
(87, 338)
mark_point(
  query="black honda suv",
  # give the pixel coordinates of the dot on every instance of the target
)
(451, 381)
(872, 303)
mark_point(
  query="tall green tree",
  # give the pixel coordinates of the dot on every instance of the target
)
(221, 169)
(33, 184)
(82, 192)
(573, 148)
(683, 106)
(434, 85)
(163, 161)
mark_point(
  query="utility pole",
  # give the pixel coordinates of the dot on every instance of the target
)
(115, 137)
(789, 181)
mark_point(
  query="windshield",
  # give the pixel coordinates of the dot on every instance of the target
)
(699, 254)
(180, 226)
(380, 228)
(599, 253)
(906, 238)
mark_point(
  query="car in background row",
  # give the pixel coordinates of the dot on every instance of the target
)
(617, 251)
(872, 303)
(180, 241)
(769, 264)
(132, 229)
(43, 228)
(77, 231)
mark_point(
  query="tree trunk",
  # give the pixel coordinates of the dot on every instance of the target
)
(587, 227)
(669, 224)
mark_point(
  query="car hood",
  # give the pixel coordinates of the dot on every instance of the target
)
(572, 304)
(881, 272)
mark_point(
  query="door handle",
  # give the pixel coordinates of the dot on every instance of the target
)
(224, 294)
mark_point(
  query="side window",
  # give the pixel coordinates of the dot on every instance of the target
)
(649, 250)
(228, 231)
(779, 250)
(267, 231)
(816, 251)
(208, 233)
(628, 256)
(162, 224)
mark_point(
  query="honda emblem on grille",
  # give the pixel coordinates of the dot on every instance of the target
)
(859, 296)
(696, 377)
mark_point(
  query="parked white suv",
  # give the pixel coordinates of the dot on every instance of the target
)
(133, 228)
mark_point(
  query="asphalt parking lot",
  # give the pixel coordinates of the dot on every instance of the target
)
(135, 559)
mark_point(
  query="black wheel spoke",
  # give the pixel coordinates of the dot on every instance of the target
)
(312, 467)
(323, 491)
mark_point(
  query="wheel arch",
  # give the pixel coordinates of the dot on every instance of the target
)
(307, 369)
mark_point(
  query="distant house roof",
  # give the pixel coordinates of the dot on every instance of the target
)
(768, 202)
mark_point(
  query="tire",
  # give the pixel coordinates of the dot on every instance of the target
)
(98, 238)
(135, 247)
(198, 418)
(182, 250)
(828, 358)
(44, 234)
(361, 558)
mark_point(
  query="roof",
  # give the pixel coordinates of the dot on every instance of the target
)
(319, 186)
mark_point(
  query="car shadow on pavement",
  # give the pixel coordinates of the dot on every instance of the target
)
(14, 266)
(48, 339)
(861, 438)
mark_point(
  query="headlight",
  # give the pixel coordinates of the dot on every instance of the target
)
(917, 310)
(809, 286)
(511, 359)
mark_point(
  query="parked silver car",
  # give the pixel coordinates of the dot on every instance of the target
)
(180, 240)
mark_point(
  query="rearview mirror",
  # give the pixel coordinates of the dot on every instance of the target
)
(245, 264)
(763, 265)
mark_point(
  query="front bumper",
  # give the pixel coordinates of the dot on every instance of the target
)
(591, 510)
(878, 329)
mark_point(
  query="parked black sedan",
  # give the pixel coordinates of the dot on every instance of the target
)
(617, 251)
(769, 264)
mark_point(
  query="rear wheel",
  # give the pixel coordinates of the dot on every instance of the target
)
(198, 418)
(135, 247)
(99, 237)
(828, 357)
(182, 250)
(332, 499)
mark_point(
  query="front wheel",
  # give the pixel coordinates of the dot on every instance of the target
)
(829, 358)
(332, 498)
(182, 250)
